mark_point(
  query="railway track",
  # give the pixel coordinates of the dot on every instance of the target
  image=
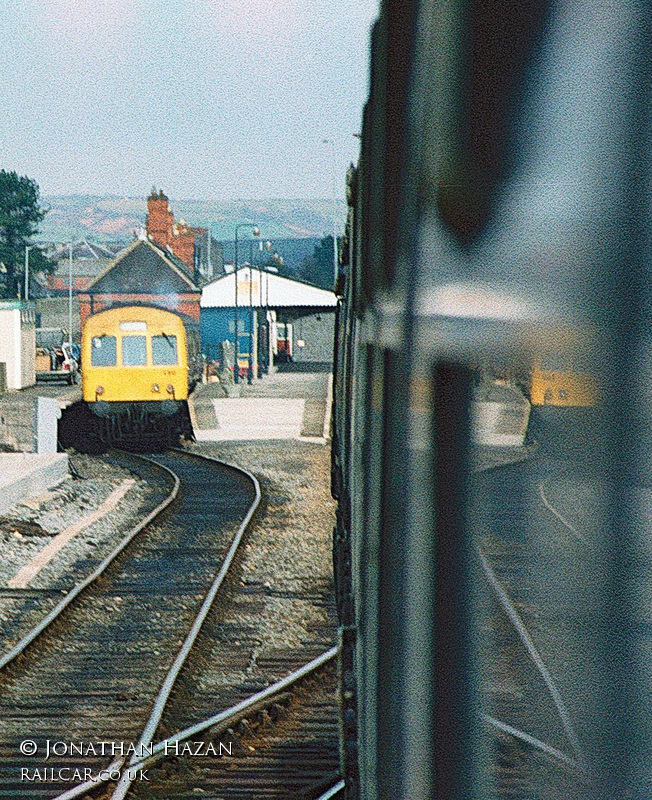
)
(33, 608)
(103, 666)
(281, 742)
(537, 730)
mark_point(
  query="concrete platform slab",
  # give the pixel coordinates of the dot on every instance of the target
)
(251, 418)
(26, 474)
(500, 416)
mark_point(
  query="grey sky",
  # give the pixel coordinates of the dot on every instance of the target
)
(205, 98)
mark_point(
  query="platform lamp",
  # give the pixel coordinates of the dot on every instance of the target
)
(255, 232)
(261, 267)
(268, 327)
(278, 260)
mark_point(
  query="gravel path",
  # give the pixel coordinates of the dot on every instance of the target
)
(286, 563)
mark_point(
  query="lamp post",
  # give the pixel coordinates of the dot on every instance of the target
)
(256, 232)
(278, 260)
(28, 247)
(70, 295)
(261, 327)
(268, 355)
(250, 368)
(209, 266)
(333, 179)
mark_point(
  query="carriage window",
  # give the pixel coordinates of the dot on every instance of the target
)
(103, 349)
(164, 350)
(134, 351)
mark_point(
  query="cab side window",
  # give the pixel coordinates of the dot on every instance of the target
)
(164, 351)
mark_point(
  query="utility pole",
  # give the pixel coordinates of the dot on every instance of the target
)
(28, 247)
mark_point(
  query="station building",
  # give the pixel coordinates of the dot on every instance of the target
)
(163, 267)
(278, 319)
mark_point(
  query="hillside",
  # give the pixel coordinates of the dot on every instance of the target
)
(110, 219)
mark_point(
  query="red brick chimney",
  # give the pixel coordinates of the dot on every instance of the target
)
(183, 244)
(163, 231)
(159, 219)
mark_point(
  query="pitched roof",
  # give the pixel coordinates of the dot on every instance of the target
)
(142, 268)
(82, 266)
(266, 289)
(84, 249)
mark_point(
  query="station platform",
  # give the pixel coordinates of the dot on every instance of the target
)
(501, 415)
(28, 475)
(297, 406)
(283, 405)
(17, 413)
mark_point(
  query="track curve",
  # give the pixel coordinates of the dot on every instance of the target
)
(94, 675)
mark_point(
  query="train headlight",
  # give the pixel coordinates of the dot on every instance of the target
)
(99, 390)
(156, 388)
(170, 388)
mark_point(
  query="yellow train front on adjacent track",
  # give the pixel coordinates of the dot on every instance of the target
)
(138, 363)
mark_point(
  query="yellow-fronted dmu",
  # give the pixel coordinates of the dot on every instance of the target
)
(138, 364)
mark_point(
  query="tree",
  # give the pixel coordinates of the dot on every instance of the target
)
(20, 214)
(318, 269)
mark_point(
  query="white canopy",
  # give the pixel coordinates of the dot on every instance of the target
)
(261, 288)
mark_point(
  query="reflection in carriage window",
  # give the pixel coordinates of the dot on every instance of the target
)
(164, 350)
(103, 351)
(134, 351)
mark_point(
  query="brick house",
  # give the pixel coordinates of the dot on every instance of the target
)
(143, 274)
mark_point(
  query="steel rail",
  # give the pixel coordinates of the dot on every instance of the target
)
(333, 791)
(36, 631)
(525, 637)
(582, 538)
(164, 692)
(159, 751)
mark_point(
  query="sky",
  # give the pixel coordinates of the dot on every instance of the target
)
(223, 99)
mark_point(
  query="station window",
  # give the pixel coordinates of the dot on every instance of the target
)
(164, 350)
(134, 351)
(103, 351)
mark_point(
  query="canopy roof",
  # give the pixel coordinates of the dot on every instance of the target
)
(261, 288)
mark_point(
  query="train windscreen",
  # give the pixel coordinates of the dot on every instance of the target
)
(103, 351)
(134, 351)
(164, 350)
